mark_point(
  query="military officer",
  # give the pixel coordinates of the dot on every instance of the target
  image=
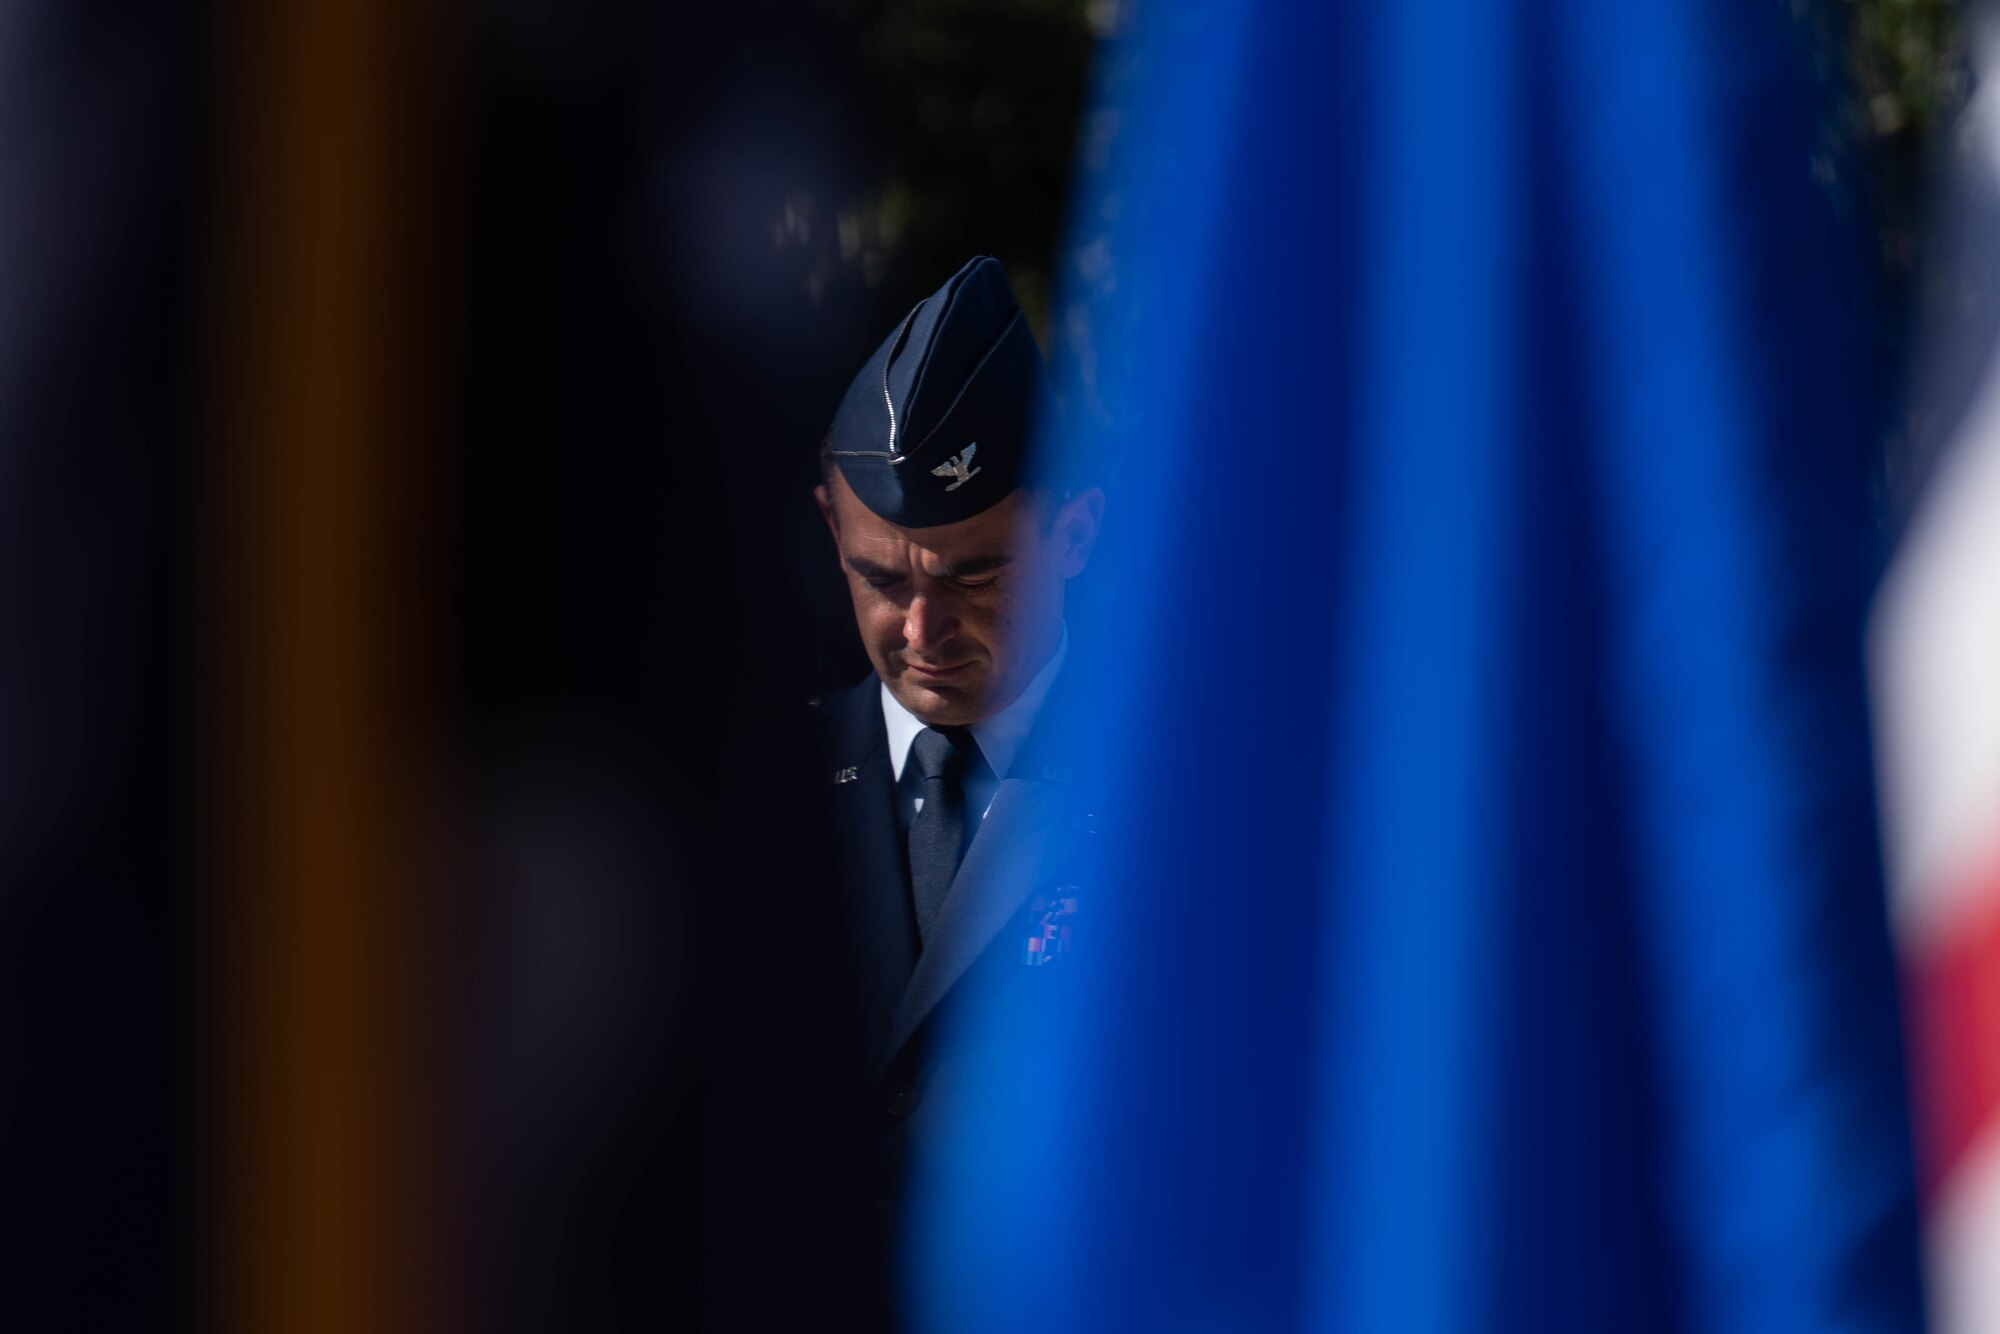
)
(958, 813)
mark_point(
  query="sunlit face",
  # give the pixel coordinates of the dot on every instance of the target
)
(958, 618)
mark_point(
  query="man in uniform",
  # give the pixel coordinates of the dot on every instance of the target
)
(955, 808)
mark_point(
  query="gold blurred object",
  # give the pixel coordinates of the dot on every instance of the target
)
(316, 660)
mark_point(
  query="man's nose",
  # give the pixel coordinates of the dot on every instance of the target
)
(926, 625)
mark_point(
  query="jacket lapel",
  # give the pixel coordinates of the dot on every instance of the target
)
(1011, 854)
(884, 930)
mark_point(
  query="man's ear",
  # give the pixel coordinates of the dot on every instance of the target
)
(1076, 529)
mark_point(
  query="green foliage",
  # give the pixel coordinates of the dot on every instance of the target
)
(975, 108)
(1907, 69)
(977, 104)
(1906, 81)
(1906, 75)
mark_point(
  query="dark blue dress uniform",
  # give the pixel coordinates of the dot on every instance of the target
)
(934, 430)
(1006, 934)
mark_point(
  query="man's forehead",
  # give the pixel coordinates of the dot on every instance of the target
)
(990, 531)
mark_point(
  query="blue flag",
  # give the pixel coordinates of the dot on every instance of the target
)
(1490, 932)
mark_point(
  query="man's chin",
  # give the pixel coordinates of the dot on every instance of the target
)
(940, 703)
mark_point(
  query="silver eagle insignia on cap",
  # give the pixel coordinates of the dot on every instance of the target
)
(960, 466)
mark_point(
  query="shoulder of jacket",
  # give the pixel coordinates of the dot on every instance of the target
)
(830, 705)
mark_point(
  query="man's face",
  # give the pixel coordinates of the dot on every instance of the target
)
(958, 619)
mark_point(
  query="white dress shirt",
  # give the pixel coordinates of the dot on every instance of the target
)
(999, 739)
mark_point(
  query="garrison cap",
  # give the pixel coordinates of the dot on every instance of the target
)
(935, 427)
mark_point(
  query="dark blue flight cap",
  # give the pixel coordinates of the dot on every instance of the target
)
(935, 427)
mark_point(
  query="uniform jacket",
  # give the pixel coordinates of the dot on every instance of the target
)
(1021, 879)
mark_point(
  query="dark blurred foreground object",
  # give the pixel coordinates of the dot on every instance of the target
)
(98, 132)
(1493, 935)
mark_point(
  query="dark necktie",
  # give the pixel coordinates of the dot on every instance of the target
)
(937, 836)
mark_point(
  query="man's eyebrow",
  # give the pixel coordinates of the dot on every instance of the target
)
(970, 568)
(975, 566)
(868, 569)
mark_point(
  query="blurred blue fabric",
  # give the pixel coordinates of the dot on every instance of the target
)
(1490, 934)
